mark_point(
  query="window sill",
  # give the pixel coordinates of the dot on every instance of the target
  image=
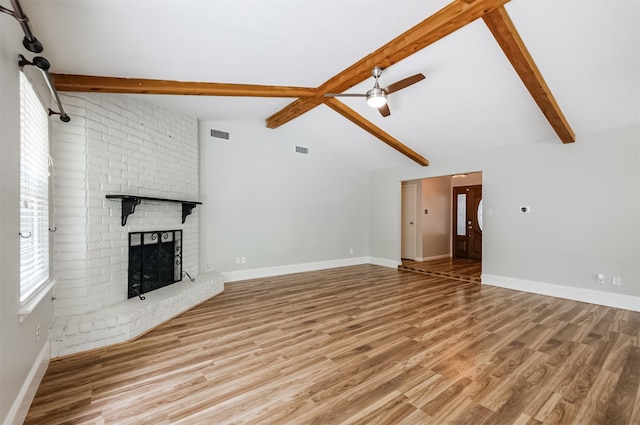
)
(29, 305)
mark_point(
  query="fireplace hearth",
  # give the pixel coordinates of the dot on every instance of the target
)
(155, 260)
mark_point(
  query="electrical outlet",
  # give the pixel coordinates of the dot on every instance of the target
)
(209, 265)
(38, 332)
(244, 260)
(600, 278)
(237, 260)
(616, 281)
(350, 250)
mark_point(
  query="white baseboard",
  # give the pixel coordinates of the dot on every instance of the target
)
(434, 257)
(21, 404)
(609, 299)
(237, 275)
(384, 262)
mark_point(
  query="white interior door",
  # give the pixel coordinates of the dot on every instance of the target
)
(408, 245)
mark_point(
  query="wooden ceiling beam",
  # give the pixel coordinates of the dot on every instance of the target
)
(87, 83)
(447, 20)
(507, 36)
(370, 128)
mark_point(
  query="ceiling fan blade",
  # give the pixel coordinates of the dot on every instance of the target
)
(399, 85)
(345, 95)
(384, 110)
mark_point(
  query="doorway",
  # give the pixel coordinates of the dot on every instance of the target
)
(428, 226)
(467, 222)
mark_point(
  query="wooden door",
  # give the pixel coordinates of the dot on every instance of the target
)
(409, 239)
(467, 222)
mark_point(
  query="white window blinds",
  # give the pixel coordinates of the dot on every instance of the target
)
(34, 191)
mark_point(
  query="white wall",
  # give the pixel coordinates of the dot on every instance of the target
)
(264, 202)
(585, 204)
(20, 353)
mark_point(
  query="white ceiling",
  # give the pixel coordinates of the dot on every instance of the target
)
(587, 51)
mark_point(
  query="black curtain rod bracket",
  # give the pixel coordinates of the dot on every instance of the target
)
(30, 42)
(43, 65)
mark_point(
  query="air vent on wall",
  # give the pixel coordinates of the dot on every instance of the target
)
(302, 149)
(219, 134)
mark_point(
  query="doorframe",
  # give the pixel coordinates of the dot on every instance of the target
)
(409, 181)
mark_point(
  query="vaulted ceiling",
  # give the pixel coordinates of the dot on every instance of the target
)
(498, 73)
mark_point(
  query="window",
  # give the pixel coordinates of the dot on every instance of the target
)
(34, 192)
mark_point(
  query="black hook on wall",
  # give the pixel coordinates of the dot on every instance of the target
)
(30, 42)
(43, 65)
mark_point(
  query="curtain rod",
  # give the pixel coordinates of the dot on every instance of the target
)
(43, 65)
(30, 42)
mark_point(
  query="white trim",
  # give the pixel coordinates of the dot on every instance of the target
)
(233, 276)
(30, 304)
(384, 262)
(434, 257)
(21, 404)
(609, 299)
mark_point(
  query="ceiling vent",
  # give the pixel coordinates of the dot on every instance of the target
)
(219, 134)
(302, 149)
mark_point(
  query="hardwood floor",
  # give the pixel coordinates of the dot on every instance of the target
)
(360, 345)
(464, 269)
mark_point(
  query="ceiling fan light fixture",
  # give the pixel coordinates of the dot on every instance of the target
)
(376, 97)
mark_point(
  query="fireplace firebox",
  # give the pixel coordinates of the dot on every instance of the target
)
(155, 260)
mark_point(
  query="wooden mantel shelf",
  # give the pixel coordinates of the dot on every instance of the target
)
(129, 203)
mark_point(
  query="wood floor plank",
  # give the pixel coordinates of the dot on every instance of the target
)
(387, 410)
(463, 269)
(620, 403)
(562, 414)
(360, 345)
(635, 414)
(476, 415)
(591, 409)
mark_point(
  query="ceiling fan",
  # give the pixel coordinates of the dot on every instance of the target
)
(377, 97)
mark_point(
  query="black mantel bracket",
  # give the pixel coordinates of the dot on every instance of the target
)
(129, 203)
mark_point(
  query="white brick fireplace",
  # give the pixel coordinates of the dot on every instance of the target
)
(119, 145)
